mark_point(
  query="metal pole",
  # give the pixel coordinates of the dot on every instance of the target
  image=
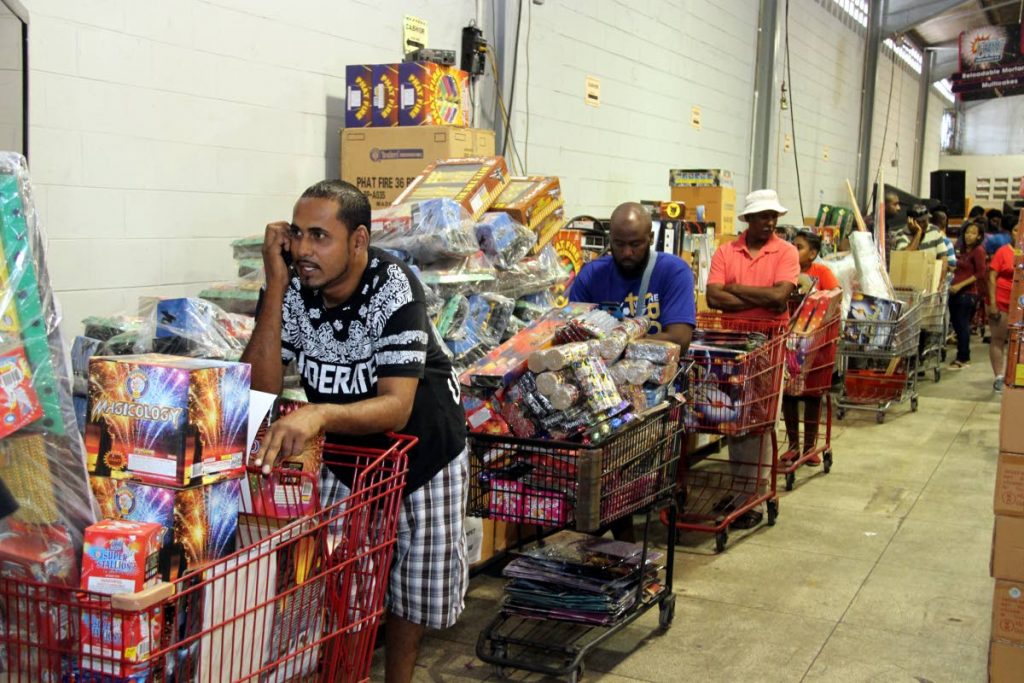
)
(876, 18)
(922, 120)
(764, 91)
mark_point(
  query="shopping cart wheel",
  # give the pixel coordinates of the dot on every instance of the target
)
(913, 405)
(790, 480)
(826, 459)
(576, 675)
(500, 652)
(880, 416)
(667, 611)
(937, 374)
(840, 413)
(773, 511)
(721, 538)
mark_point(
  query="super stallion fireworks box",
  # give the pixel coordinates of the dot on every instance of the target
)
(167, 420)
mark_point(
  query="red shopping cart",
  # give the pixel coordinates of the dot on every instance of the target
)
(810, 361)
(299, 600)
(734, 392)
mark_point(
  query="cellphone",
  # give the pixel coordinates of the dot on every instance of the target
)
(287, 256)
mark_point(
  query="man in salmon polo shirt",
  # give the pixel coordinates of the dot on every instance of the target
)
(753, 277)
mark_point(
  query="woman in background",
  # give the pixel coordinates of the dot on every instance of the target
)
(1000, 282)
(808, 246)
(970, 284)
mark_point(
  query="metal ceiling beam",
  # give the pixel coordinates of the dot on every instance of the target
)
(945, 63)
(903, 15)
(876, 17)
(764, 93)
(927, 78)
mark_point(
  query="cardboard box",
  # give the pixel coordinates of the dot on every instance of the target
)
(383, 162)
(474, 183)
(167, 420)
(1011, 426)
(549, 229)
(358, 95)
(497, 536)
(1013, 375)
(385, 95)
(432, 95)
(529, 200)
(119, 644)
(916, 270)
(1009, 493)
(120, 557)
(699, 177)
(1007, 561)
(1008, 612)
(199, 522)
(719, 205)
(1005, 662)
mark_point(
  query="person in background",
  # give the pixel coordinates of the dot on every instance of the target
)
(753, 277)
(1000, 282)
(998, 234)
(970, 285)
(808, 246)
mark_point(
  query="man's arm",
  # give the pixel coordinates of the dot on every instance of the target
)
(722, 300)
(679, 333)
(776, 296)
(388, 411)
(263, 352)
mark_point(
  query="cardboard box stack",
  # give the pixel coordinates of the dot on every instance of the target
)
(1006, 654)
(708, 194)
(165, 442)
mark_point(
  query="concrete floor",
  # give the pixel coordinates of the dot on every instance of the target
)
(877, 571)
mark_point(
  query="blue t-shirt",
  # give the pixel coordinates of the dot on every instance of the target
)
(993, 241)
(669, 298)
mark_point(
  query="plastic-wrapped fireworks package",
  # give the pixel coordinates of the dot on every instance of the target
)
(515, 326)
(874, 280)
(452, 276)
(504, 241)
(663, 374)
(559, 357)
(194, 328)
(529, 307)
(430, 230)
(452, 316)
(597, 387)
(654, 350)
(45, 502)
(614, 344)
(486, 320)
(549, 382)
(532, 274)
(631, 372)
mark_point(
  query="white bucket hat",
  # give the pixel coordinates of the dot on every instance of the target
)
(762, 200)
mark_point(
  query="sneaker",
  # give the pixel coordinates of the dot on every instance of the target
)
(997, 385)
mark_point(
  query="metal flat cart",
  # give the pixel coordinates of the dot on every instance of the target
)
(878, 360)
(569, 485)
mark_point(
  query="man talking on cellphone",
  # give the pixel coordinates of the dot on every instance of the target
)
(354, 319)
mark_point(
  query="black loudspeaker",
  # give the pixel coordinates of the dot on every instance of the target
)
(949, 187)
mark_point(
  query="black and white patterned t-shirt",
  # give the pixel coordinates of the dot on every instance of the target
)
(381, 331)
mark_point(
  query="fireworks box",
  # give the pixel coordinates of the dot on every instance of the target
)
(199, 522)
(385, 95)
(358, 95)
(121, 557)
(549, 229)
(474, 183)
(21, 403)
(115, 645)
(507, 363)
(167, 420)
(699, 177)
(432, 95)
(529, 200)
(37, 553)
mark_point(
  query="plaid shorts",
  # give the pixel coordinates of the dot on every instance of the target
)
(430, 569)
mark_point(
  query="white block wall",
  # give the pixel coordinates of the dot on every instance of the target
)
(827, 53)
(985, 166)
(163, 129)
(11, 124)
(901, 84)
(994, 126)
(655, 60)
(937, 104)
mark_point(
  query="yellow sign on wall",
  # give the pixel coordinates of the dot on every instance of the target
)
(414, 33)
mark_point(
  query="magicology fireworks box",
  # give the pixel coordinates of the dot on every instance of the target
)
(199, 522)
(167, 420)
(432, 95)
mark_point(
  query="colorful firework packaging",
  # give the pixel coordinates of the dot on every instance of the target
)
(166, 420)
(530, 200)
(474, 183)
(432, 95)
(199, 522)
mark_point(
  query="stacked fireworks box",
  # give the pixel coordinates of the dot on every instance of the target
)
(166, 451)
(408, 94)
